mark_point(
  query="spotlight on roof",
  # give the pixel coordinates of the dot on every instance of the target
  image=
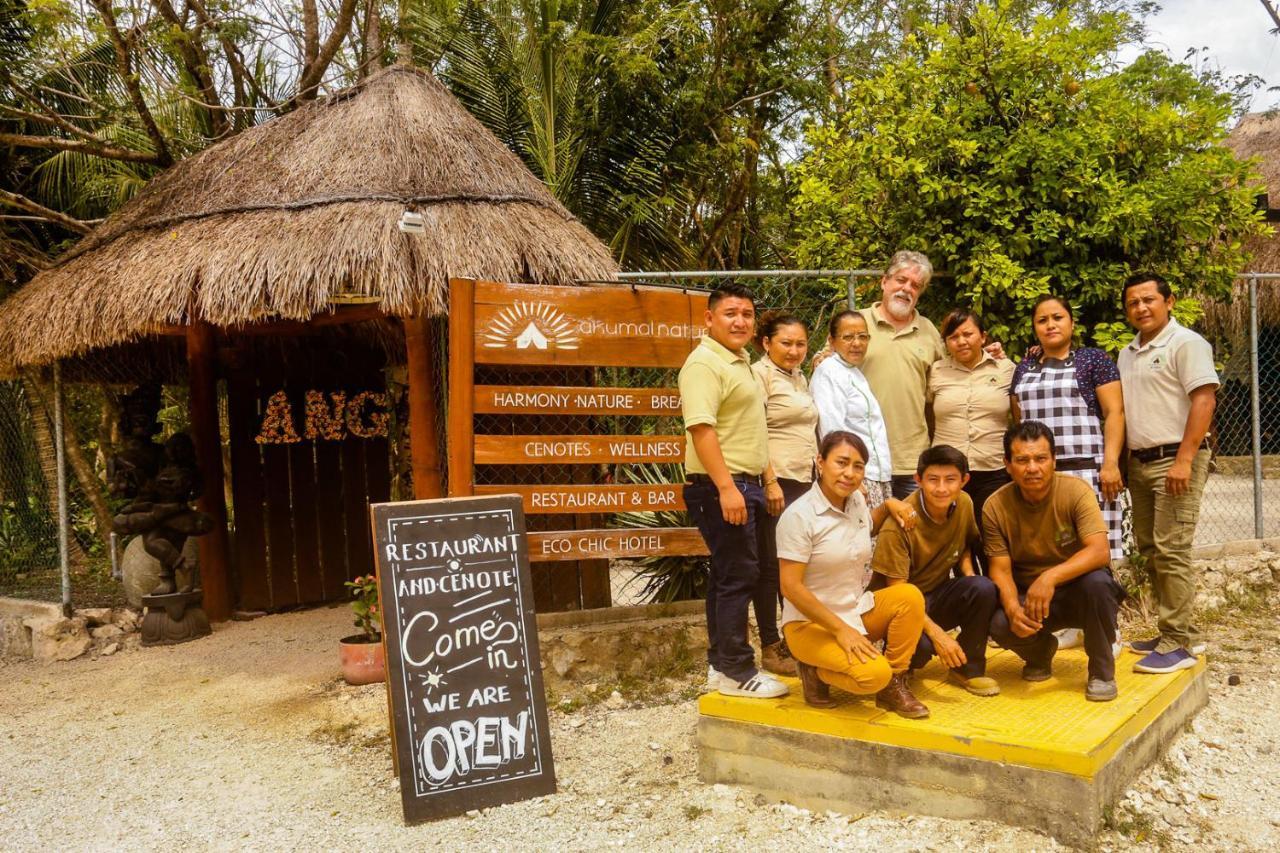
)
(412, 223)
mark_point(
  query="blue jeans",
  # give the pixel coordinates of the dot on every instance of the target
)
(736, 554)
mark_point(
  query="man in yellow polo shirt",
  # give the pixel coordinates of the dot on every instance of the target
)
(727, 465)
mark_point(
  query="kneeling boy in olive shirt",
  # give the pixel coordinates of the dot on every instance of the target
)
(937, 557)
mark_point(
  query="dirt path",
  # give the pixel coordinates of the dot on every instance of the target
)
(248, 741)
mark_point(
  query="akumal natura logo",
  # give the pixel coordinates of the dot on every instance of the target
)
(531, 325)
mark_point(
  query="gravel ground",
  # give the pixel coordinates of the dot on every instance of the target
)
(247, 741)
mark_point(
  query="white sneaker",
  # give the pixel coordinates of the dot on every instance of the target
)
(759, 686)
(1069, 638)
(713, 678)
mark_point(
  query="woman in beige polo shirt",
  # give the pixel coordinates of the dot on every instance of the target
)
(792, 421)
(830, 618)
(969, 404)
(789, 411)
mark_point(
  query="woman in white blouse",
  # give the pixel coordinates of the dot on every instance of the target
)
(832, 620)
(845, 402)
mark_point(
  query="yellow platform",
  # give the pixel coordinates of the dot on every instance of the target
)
(1047, 725)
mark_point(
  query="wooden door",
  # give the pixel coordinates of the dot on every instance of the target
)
(300, 511)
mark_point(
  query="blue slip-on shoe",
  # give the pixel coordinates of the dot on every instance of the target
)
(1159, 664)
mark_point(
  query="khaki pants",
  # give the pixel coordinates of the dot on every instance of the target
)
(897, 618)
(1165, 528)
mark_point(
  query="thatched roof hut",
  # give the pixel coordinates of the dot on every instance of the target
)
(287, 218)
(1256, 136)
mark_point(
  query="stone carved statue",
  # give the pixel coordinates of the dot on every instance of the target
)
(160, 483)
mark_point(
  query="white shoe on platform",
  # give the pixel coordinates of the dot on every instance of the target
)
(759, 686)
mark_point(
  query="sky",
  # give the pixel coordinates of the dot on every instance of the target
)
(1236, 35)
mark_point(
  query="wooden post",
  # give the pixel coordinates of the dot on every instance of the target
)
(462, 377)
(424, 430)
(205, 432)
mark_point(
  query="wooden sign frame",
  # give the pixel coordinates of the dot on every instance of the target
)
(492, 323)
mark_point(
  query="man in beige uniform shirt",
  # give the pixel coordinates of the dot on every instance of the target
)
(1167, 374)
(904, 344)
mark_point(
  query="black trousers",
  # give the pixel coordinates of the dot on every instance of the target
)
(902, 485)
(1090, 602)
(967, 603)
(737, 553)
(982, 485)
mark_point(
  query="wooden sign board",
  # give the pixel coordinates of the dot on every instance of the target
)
(575, 400)
(548, 500)
(615, 542)
(469, 714)
(621, 326)
(562, 449)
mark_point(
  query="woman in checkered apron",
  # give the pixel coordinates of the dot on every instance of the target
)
(1075, 392)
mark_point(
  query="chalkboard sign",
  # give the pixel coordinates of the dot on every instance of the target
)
(469, 713)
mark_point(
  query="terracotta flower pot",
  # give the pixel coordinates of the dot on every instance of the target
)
(362, 661)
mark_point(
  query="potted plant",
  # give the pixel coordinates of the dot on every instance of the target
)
(361, 654)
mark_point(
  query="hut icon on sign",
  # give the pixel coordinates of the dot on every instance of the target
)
(531, 337)
(531, 325)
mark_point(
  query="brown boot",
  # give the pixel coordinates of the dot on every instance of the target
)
(897, 697)
(777, 659)
(816, 692)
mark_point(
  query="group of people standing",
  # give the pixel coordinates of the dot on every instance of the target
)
(921, 481)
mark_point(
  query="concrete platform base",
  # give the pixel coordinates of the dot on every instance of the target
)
(1038, 755)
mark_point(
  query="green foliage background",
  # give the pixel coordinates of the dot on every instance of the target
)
(1022, 160)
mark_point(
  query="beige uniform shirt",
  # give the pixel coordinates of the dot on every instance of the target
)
(718, 388)
(897, 368)
(1157, 380)
(971, 408)
(835, 546)
(791, 417)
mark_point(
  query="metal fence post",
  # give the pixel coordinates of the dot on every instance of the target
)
(851, 295)
(1256, 406)
(60, 457)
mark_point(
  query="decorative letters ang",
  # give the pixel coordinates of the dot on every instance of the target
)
(329, 417)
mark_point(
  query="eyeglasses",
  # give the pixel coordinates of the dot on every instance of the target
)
(860, 337)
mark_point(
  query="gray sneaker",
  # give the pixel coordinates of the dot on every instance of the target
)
(1100, 691)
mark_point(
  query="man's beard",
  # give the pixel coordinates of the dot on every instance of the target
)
(900, 309)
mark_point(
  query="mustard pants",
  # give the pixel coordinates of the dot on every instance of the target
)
(897, 618)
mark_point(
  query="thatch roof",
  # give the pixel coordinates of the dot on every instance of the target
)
(1256, 136)
(280, 219)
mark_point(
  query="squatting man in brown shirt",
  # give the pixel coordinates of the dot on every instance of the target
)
(1047, 545)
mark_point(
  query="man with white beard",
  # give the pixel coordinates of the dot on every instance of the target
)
(904, 344)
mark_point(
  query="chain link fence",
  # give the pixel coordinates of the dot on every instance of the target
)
(1242, 498)
(1242, 495)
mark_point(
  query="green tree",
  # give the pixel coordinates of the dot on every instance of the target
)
(1022, 160)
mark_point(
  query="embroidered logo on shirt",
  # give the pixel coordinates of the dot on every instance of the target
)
(1157, 363)
(1065, 536)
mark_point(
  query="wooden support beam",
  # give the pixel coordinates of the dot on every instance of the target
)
(215, 551)
(462, 380)
(424, 429)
